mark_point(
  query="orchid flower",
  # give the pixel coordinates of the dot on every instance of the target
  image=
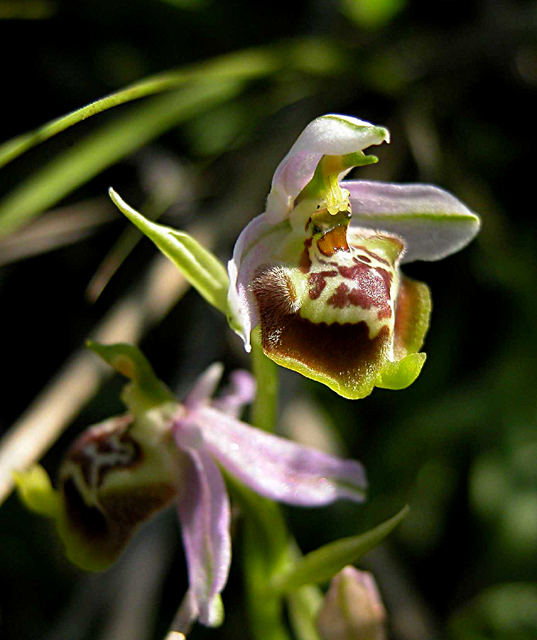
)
(120, 472)
(319, 270)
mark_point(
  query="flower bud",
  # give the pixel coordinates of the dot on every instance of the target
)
(352, 608)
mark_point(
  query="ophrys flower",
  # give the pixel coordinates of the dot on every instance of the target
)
(319, 270)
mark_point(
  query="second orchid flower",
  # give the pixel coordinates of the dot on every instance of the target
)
(120, 472)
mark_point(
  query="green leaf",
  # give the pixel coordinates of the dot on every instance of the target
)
(307, 55)
(372, 14)
(194, 90)
(243, 65)
(199, 266)
(323, 563)
(147, 390)
(106, 146)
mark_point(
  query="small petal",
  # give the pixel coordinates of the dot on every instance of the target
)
(432, 223)
(277, 468)
(239, 393)
(205, 386)
(205, 518)
(255, 247)
(328, 135)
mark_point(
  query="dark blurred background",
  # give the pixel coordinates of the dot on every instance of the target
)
(455, 82)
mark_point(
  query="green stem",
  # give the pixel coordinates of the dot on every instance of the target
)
(265, 407)
(266, 539)
(265, 609)
(304, 605)
(268, 547)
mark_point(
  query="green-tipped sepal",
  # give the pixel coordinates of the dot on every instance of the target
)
(145, 390)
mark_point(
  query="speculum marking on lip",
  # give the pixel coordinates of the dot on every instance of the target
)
(105, 449)
(344, 297)
(371, 289)
(340, 298)
(344, 352)
(317, 282)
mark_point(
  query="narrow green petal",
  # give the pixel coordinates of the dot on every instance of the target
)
(402, 373)
(199, 266)
(323, 563)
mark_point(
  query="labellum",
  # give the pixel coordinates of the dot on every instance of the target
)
(333, 316)
(113, 478)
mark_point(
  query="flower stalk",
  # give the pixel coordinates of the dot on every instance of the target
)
(265, 405)
(266, 539)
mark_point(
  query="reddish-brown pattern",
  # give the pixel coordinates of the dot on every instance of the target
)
(340, 298)
(370, 290)
(304, 262)
(317, 282)
(386, 276)
(372, 254)
(97, 442)
(343, 352)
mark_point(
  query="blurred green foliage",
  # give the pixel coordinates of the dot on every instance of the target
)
(456, 84)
